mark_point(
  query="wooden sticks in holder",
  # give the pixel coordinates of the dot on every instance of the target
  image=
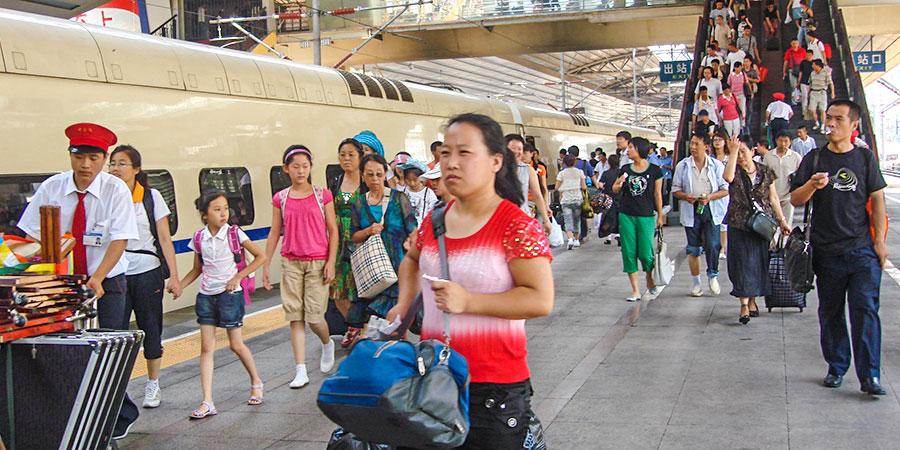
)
(50, 235)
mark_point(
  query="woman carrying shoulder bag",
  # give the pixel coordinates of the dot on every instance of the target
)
(751, 189)
(500, 266)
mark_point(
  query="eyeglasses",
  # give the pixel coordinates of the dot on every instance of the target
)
(113, 165)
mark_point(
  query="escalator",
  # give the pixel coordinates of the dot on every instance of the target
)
(831, 30)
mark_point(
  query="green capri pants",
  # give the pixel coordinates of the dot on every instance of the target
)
(636, 236)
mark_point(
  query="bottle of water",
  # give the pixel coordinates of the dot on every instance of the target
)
(701, 206)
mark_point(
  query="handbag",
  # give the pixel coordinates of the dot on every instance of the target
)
(586, 208)
(798, 252)
(760, 222)
(371, 264)
(557, 238)
(399, 393)
(663, 267)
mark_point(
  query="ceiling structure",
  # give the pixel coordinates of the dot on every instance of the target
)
(63, 9)
(601, 81)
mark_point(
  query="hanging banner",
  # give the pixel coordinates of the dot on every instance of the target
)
(129, 15)
(674, 70)
(869, 61)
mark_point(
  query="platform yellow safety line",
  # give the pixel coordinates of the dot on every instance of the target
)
(184, 348)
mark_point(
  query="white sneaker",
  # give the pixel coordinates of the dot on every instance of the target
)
(696, 291)
(722, 255)
(577, 243)
(714, 286)
(300, 380)
(326, 363)
(570, 244)
(152, 396)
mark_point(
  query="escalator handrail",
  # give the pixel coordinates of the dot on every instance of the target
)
(684, 123)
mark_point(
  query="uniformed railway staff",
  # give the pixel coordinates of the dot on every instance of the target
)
(96, 208)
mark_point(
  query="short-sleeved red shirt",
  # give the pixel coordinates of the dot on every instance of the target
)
(494, 347)
(795, 57)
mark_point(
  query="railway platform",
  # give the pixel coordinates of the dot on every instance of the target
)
(669, 372)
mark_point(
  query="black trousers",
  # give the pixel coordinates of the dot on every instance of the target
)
(110, 314)
(500, 416)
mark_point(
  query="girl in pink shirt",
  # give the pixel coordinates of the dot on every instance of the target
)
(728, 112)
(500, 276)
(306, 215)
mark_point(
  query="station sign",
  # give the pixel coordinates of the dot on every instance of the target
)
(869, 61)
(674, 70)
(323, 42)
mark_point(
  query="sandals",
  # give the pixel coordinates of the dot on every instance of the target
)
(350, 336)
(254, 400)
(210, 411)
(633, 299)
(753, 312)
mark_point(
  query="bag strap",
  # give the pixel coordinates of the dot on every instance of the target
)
(745, 180)
(438, 229)
(150, 208)
(320, 199)
(235, 243)
(198, 237)
(806, 210)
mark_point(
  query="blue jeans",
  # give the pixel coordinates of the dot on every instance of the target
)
(854, 276)
(705, 234)
(223, 310)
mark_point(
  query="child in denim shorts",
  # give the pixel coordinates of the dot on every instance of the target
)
(220, 302)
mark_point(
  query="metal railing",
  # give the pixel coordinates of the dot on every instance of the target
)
(855, 89)
(685, 127)
(448, 11)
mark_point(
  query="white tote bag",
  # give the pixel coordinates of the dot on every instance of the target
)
(371, 264)
(663, 267)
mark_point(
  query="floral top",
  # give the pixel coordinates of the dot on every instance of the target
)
(739, 208)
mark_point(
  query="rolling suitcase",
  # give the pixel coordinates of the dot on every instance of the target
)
(64, 391)
(782, 296)
(772, 44)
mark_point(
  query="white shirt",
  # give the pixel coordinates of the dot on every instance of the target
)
(570, 185)
(624, 160)
(682, 180)
(107, 208)
(779, 110)
(600, 167)
(818, 49)
(732, 58)
(422, 202)
(218, 260)
(713, 88)
(138, 262)
(708, 59)
(783, 166)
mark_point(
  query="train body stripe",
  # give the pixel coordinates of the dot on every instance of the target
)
(256, 234)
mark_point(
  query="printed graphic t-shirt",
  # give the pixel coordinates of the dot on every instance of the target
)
(840, 222)
(637, 191)
(494, 348)
(305, 233)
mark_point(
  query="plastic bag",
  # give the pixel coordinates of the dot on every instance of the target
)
(556, 238)
(342, 440)
(796, 96)
(596, 221)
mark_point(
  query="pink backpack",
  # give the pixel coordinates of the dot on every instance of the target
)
(248, 283)
(320, 199)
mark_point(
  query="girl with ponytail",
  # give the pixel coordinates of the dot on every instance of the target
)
(151, 259)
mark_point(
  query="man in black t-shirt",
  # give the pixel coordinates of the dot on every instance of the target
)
(847, 257)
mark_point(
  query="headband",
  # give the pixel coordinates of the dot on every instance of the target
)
(295, 151)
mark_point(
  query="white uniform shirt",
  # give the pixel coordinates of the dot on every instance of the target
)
(779, 110)
(138, 262)
(107, 208)
(218, 260)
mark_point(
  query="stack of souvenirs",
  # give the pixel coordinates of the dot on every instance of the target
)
(38, 293)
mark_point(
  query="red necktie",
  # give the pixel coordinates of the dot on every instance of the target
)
(78, 224)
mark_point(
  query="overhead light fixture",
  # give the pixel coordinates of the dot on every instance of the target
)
(54, 4)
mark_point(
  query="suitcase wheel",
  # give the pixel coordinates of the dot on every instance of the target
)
(770, 310)
(801, 309)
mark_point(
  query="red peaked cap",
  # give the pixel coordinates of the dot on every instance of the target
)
(89, 134)
(778, 96)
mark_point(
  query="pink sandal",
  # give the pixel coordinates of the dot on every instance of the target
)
(254, 400)
(211, 411)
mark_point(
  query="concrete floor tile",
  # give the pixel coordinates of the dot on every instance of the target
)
(591, 436)
(649, 411)
(744, 436)
(840, 436)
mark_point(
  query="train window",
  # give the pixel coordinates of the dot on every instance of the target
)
(235, 183)
(278, 179)
(161, 180)
(15, 193)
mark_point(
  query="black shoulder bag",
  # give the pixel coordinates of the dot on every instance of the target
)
(149, 207)
(798, 251)
(760, 222)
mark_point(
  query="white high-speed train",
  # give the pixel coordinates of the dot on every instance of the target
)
(206, 117)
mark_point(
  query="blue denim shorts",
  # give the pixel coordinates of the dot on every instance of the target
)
(225, 310)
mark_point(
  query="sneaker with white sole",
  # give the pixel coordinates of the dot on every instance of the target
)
(152, 396)
(326, 363)
(714, 286)
(577, 243)
(570, 244)
(696, 291)
(300, 379)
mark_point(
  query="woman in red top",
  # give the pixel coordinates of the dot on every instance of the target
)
(729, 114)
(500, 270)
